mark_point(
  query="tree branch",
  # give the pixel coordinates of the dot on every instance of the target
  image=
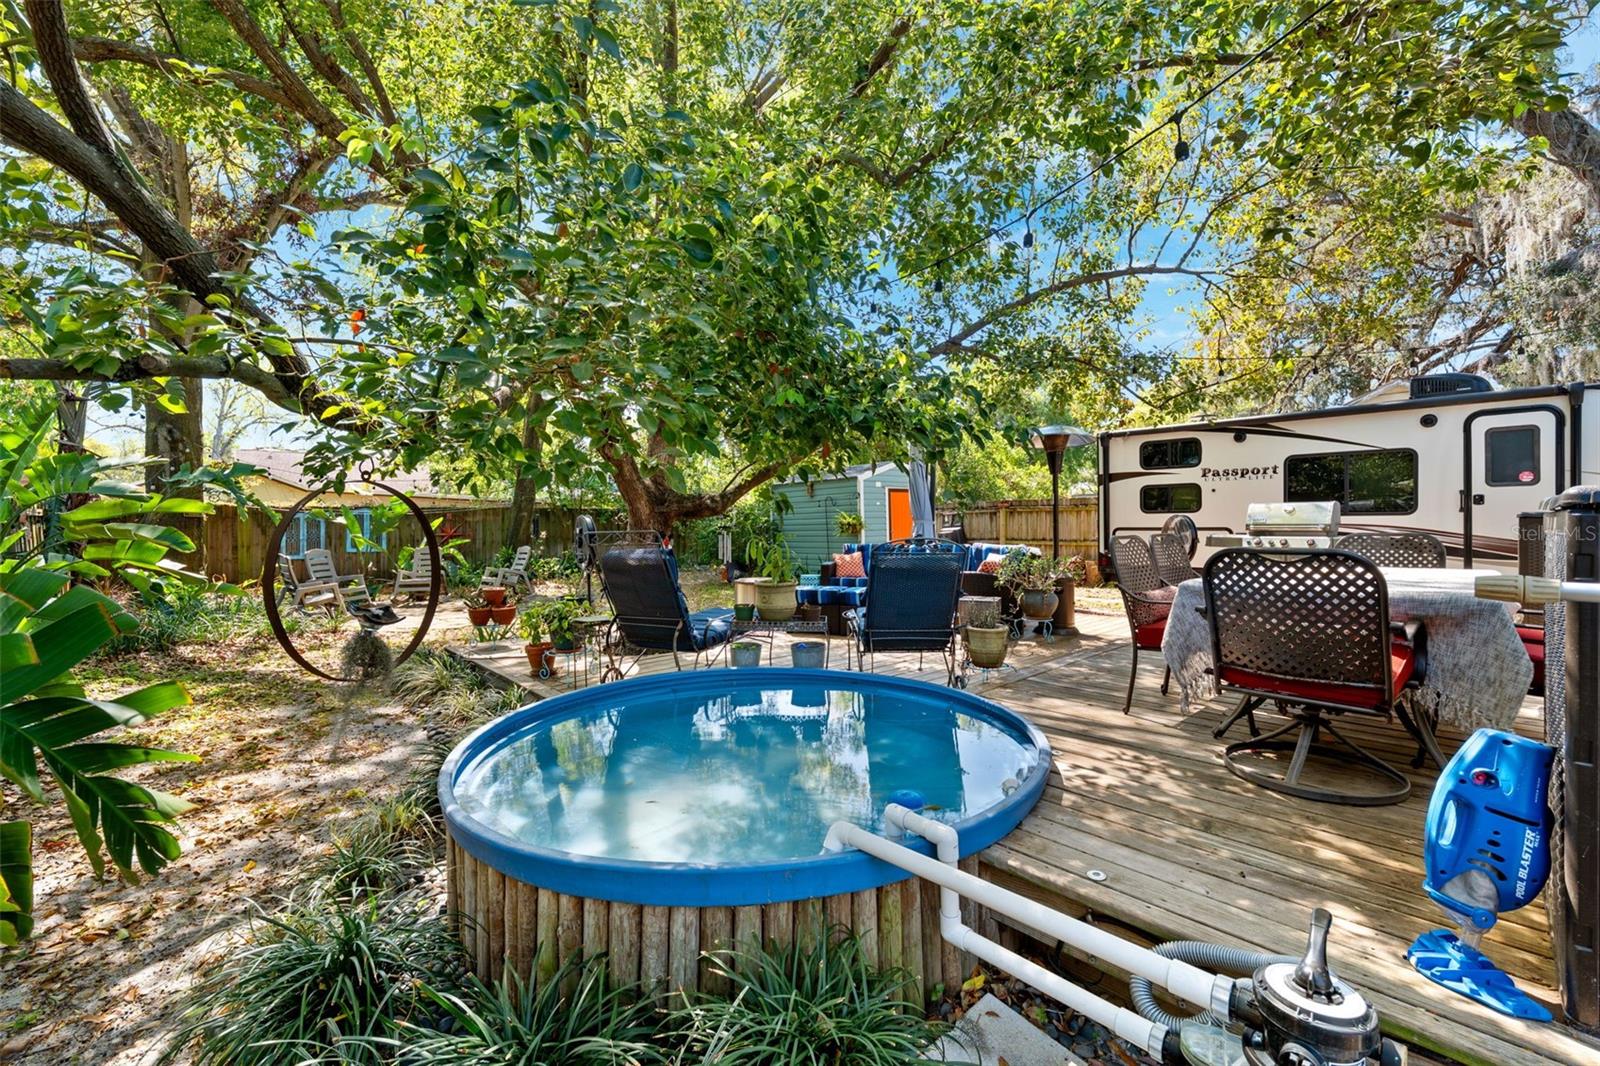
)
(305, 102)
(1574, 141)
(156, 366)
(363, 59)
(104, 50)
(882, 56)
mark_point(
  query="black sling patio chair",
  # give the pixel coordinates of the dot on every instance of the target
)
(1309, 632)
(651, 614)
(912, 589)
(1395, 549)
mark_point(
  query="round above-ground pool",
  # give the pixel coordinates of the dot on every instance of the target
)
(661, 817)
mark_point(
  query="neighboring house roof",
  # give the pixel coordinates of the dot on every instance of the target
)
(284, 464)
(858, 471)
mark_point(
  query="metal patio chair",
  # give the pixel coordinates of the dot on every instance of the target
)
(1309, 632)
(1172, 559)
(651, 614)
(1146, 599)
(912, 589)
(512, 575)
(1395, 549)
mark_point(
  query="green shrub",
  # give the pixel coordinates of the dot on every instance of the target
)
(429, 676)
(816, 1003)
(190, 614)
(597, 1024)
(551, 567)
(325, 981)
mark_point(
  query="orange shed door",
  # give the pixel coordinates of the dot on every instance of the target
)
(899, 514)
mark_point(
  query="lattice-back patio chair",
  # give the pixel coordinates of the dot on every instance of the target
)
(912, 589)
(1171, 554)
(651, 613)
(1309, 632)
(1146, 600)
(513, 574)
(1395, 549)
(351, 589)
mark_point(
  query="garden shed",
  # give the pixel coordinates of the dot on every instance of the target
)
(879, 492)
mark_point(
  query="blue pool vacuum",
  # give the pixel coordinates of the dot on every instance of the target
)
(1487, 851)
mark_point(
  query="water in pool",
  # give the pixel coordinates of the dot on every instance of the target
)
(754, 776)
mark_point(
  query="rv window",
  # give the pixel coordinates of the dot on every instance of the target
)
(1169, 454)
(1512, 455)
(1378, 482)
(1170, 498)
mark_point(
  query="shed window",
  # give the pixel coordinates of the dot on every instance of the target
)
(1169, 499)
(368, 543)
(1170, 454)
(1375, 482)
(1512, 455)
(306, 531)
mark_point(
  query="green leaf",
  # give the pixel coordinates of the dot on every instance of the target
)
(699, 249)
(16, 882)
(632, 176)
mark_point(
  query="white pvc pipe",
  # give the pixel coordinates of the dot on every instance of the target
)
(1187, 982)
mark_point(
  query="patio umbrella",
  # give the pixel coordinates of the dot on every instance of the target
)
(922, 520)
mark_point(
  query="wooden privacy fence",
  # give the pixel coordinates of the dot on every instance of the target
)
(1028, 522)
(235, 550)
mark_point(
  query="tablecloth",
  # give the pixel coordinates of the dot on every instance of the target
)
(1477, 669)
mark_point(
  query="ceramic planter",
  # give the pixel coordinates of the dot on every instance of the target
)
(1039, 605)
(745, 654)
(503, 614)
(987, 647)
(479, 616)
(493, 595)
(809, 654)
(537, 653)
(776, 601)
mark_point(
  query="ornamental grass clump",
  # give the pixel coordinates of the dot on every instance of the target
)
(821, 1003)
(597, 1023)
(325, 980)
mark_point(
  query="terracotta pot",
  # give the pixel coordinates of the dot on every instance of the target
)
(493, 595)
(776, 601)
(987, 647)
(479, 616)
(503, 614)
(539, 656)
(1039, 604)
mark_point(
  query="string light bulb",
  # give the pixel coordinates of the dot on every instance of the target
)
(938, 284)
(1027, 239)
(1180, 147)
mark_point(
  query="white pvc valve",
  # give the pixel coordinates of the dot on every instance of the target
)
(1515, 588)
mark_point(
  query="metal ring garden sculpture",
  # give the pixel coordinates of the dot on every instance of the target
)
(269, 577)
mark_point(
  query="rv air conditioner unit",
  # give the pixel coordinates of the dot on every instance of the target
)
(1448, 384)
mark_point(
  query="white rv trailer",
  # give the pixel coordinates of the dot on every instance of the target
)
(1446, 454)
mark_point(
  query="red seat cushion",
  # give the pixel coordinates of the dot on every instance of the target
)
(1402, 661)
(1533, 644)
(1149, 635)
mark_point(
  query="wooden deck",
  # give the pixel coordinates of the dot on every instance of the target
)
(1191, 852)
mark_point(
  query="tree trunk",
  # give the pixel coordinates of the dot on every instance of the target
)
(524, 494)
(72, 418)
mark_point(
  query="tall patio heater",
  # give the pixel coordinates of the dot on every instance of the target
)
(1054, 442)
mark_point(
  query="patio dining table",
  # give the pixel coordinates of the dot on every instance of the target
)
(1477, 668)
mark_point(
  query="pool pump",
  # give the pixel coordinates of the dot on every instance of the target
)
(1291, 1011)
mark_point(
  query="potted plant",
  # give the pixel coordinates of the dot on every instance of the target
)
(987, 637)
(849, 524)
(744, 612)
(560, 618)
(1033, 579)
(745, 653)
(493, 595)
(531, 627)
(773, 561)
(477, 609)
(503, 613)
(1072, 572)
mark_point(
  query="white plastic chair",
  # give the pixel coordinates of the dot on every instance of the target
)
(416, 579)
(348, 588)
(509, 576)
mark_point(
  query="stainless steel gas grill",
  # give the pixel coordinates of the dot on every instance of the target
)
(1313, 524)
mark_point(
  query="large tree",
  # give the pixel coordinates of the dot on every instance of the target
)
(834, 205)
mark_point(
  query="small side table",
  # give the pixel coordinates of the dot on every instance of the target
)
(590, 630)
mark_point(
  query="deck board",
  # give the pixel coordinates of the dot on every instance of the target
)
(1192, 852)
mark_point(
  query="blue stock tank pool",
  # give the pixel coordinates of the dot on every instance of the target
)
(715, 788)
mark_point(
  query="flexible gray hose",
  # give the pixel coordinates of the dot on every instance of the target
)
(1198, 953)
